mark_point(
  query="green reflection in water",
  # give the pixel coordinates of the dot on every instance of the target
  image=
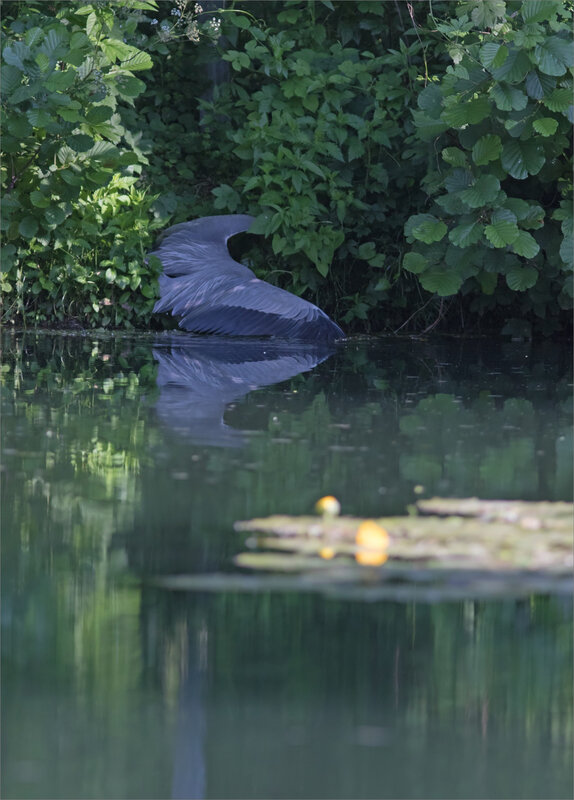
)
(287, 696)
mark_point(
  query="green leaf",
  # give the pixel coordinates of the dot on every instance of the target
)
(465, 234)
(554, 55)
(493, 55)
(39, 200)
(539, 86)
(487, 148)
(80, 142)
(538, 10)
(507, 98)
(415, 262)
(521, 278)
(11, 79)
(525, 245)
(54, 216)
(28, 227)
(441, 281)
(454, 156)
(487, 281)
(567, 251)
(129, 86)
(545, 126)
(559, 100)
(470, 113)
(97, 114)
(521, 159)
(60, 81)
(430, 100)
(484, 191)
(38, 117)
(426, 228)
(515, 68)
(503, 229)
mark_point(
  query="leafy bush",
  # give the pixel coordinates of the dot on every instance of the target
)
(67, 69)
(311, 128)
(498, 227)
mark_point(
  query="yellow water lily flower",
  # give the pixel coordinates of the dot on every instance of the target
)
(328, 506)
(373, 541)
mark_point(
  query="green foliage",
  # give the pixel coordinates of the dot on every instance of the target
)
(75, 228)
(311, 128)
(500, 117)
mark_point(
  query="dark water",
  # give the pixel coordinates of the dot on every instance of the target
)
(131, 456)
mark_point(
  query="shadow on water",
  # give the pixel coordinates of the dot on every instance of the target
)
(130, 456)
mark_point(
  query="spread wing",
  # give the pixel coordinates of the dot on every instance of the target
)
(212, 293)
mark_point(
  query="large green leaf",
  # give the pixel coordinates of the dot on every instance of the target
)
(415, 262)
(539, 86)
(503, 229)
(521, 278)
(426, 228)
(430, 100)
(545, 126)
(28, 227)
(443, 282)
(482, 192)
(507, 98)
(525, 245)
(554, 55)
(11, 79)
(515, 68)
(465, 234)
(559, 100)
(539, 10)
(454, 156)
(466, 113)
(521, 159)
(493, 55)
(486, 149)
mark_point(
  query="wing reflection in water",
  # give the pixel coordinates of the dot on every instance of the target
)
(198, 378)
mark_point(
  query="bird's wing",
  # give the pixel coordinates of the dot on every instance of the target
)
(248, 307)
(212, 293)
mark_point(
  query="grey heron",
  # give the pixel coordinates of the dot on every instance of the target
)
(211, 293)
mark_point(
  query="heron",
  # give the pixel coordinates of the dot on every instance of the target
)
(210, 292)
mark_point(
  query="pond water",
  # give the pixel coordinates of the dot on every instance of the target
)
(131, 456)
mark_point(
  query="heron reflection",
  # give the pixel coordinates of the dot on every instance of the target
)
(198, 379)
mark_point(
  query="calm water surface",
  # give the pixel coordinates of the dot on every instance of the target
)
(131, 456)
